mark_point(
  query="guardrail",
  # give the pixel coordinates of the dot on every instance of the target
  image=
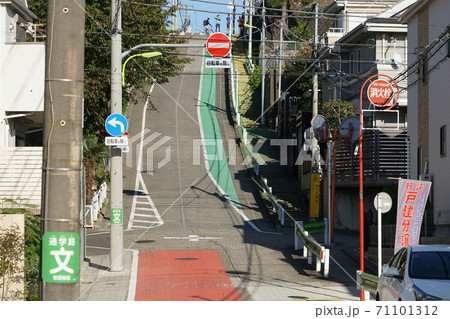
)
(312, 247)
(91, 211)
(276, 208)
(366, 282)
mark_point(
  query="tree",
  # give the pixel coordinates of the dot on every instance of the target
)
(300, 31)
(92, 152)
(30, 245)
(11, 258)
(337, 111)
(142, 22)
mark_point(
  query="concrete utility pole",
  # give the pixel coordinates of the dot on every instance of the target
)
(250, 34)
(116, 240)
(63, 134)
(315, 79)
(263, 65)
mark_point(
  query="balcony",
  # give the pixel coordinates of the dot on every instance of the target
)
(385, 157)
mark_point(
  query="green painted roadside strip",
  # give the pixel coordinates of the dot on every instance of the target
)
(215, 151)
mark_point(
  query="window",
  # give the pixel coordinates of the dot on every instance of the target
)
(358, 62)
(351, 68)
(443, 141)
(332, 92)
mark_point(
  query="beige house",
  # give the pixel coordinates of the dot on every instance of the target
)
(428, 102)
(22, 73)
(366, 39)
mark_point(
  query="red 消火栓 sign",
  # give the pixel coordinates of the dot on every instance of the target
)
(380, 92)
(218, 45)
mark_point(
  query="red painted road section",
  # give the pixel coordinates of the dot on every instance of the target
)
(183, 276)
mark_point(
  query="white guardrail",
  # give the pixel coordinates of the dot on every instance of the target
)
(91, 211)
(312, 247)
(302, 238)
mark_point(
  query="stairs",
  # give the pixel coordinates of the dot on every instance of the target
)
(21, 174)
(284, 186)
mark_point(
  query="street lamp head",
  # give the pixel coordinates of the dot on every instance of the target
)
(150, 54)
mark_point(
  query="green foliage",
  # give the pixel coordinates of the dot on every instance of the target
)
(95, 171)
(255, 79)
(11, 257)
(142, 22)
(276, 3)
(31, 246)
(300, 32)
(337, 111)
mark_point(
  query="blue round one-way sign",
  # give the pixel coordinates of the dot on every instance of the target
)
(116, 124)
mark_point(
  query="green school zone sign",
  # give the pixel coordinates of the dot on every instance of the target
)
(61, 257)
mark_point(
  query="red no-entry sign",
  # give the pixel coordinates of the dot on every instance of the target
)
(380, 92)
(218, 45)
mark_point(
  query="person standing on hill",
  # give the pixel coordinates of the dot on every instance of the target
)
(217, 23)
(241, 26)
(228, 22)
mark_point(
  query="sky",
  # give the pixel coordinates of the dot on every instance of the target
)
(200, 10)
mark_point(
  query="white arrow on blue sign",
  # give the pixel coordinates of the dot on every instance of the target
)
(116, 124)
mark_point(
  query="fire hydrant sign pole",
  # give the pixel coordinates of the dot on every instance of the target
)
(381, 93)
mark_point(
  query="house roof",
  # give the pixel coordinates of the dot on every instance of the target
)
(337, 5)
(21, 7)
(413, 10)
(397, 10)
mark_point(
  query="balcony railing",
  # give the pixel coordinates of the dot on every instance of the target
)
(385, 157)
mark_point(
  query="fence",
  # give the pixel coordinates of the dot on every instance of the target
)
(312, 247)
(385, 155)
(91, 211)
(366, 282)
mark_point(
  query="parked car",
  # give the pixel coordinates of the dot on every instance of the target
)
(416, 273)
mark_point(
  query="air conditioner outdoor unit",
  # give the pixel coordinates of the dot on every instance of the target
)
(426, 177)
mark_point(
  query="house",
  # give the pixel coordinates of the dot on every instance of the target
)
(428, 76)
(22, 65)
(348, 14)
(371, 41)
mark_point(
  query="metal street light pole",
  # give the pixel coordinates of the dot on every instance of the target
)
(263, 66)
(144, 55)
(161, 45)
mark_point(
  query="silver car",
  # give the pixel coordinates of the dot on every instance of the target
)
(416, 273)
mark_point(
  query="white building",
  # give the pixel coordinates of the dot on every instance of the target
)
(22, 74)
(429, 101)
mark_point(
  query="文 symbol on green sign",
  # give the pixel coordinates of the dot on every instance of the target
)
(60, 257)
(116, 216)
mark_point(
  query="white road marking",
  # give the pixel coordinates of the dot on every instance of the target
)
(141, 188)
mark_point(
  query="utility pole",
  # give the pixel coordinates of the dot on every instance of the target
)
(116, 240)
(250, 33)
(315, 80)
(280, 63)
(174, 16)
(63, 134)
(263, 65)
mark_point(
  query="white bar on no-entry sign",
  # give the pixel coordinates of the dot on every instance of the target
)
(218, 45)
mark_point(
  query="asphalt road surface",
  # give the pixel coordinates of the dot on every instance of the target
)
(190, 209)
